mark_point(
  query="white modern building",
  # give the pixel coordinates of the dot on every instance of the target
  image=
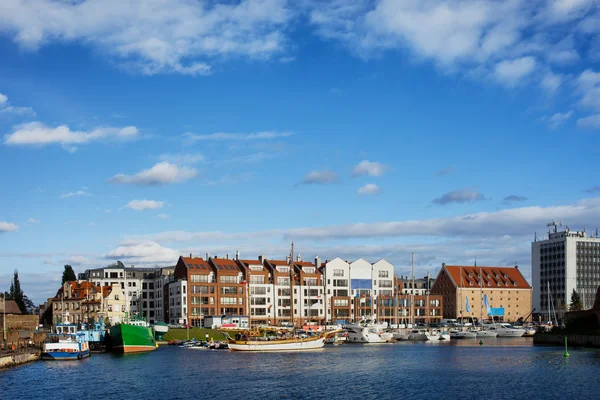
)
(563, 262)
(336, 277)
(261, 291)
(177, 302)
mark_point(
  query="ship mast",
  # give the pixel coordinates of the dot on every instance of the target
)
(292, 286)
(412, 292)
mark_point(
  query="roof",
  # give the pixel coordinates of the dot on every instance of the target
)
(198, 264)
(225, 266)
(251, 262)
(12, 307)
(279, 263)
(493, 277)
(81, 290)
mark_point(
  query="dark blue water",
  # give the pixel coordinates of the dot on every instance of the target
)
(500, 369)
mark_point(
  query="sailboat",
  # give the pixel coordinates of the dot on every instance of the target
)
(483, 333)
(462, 333)
(254, 341)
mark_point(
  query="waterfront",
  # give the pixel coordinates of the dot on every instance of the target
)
(501, 368)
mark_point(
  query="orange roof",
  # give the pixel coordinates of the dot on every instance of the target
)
(225, 265)
(197, 263)
(493, 277)
(304, 264)
(251, 262)
(279, 263)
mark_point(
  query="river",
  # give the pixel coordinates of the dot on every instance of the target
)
(498, 369)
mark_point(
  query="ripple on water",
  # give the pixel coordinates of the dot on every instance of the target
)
(501, 369)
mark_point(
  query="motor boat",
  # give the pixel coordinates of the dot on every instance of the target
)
(423, 334)
(456, 334)
(506, 330)
(368, 331)
(486, 334)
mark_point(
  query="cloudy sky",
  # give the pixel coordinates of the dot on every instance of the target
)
(144, 129)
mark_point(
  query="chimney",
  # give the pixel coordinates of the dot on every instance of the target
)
(190, 255)
(288, 259)
(207, 256)
(298, 259)
(228, 256)
(317, 261)
(237, 255)
(262, 258)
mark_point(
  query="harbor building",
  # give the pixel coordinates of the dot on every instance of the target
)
(144, 287)
(259, 281)
(178, 302)
(231, 284)
(336, 280)
(465, 290)
(419, 286)
(562, 262)
(309, 297)
(202, 288)
(282, 287)
(84, 302)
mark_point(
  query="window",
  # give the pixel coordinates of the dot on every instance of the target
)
(228, 279)
(338, 272)
(257, 280)
(383, 274)
(200, 278)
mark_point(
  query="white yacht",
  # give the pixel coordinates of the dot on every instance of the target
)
(506, 330)
(457, 334)
(486, 333)
(367, 331)
(422, 334)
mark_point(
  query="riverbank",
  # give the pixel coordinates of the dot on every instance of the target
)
(197, 333)
(13, 359)
(554, 339)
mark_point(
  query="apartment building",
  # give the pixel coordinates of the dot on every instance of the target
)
(309, 299)
(202, 288)
(337, 299)
(260, 290)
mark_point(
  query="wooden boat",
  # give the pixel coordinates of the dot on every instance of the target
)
(253, 343)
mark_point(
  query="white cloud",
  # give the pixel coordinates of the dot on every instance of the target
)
(588, 84)
(143, 252)
(183, 158)
(221, 136)
(33, 221)
(510, 72)
(367, 167)
(75, 194)
(76, 261)
(38, 134)
(161, 173)
(8, 227)
(551, 82)
(108, 211)
(320, 178)
(369, 189)
(591, 122)
(163, 216)
(557, 119)
(6, 108)
(465, 195)
(153, 36)
(140, 205)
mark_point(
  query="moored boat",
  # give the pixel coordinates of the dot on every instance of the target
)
(456, 334)
(160, 329)
(132, 337)
(265, 344)
(65, 346)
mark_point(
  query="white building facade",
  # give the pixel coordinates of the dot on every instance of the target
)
(566, 261)
(178, 302)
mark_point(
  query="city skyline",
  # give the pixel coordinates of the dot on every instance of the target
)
(364, 129)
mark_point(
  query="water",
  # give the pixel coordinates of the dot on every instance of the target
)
(502, 368)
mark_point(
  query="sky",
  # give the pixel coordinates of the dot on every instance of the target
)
(143, 130)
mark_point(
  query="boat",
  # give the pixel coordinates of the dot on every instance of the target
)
(444, 335)
(133, 336)
(459, 334)
(530, 331)
(368, 331)
(422, 334)
(160, 329)
(258, 343)
(507, 330)
(400, 335)
(337, 338)
(65, 346)
(485, 333)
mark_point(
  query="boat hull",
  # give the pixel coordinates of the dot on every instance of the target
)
(64, 355)
(515, 333)
(125, 338)
(463, 335)
(486, 334)
(277, 345)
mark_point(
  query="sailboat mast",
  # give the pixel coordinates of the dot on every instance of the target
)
(412, 292)
(462, 319)
(292, 286)
(480, 295)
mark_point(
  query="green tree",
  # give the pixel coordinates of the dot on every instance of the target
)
(68, 274)
(576, 303)
(16, 293)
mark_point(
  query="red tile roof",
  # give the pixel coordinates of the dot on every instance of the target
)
(493, 277)
(12, 307)
(225, 266)
(197, 264)
(279, 263)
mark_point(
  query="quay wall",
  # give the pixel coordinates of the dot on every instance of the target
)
(572, 340)
(18, 358)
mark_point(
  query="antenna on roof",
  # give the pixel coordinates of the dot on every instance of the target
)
(554, 224)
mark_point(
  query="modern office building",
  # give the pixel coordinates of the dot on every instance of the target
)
(563, 262)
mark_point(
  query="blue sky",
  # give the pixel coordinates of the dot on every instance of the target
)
(354, 128)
